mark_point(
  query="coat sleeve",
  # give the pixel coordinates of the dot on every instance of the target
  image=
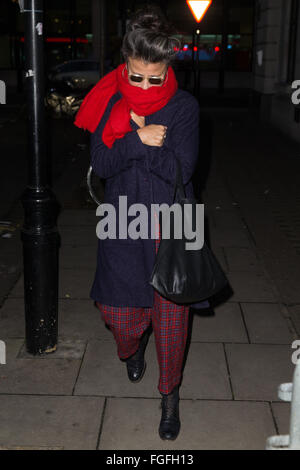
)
(182, 143)
(107, 162)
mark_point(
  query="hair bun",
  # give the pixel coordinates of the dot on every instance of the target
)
(150, 18)
(150, 37)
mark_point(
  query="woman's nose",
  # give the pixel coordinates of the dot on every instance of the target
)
(145, 84)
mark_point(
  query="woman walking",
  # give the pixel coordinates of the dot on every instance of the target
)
(140, 123)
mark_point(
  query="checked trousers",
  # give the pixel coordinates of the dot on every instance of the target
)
(170, 327)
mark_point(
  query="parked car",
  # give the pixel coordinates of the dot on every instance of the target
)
(68, 83)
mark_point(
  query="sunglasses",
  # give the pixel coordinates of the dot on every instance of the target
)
(140, 78)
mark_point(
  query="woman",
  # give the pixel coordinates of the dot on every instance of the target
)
(140, 122)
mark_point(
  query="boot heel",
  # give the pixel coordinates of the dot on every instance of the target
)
(136, 364)
(170, 423)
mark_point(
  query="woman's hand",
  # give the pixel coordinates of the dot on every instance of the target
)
(139, 120)
(154, 134)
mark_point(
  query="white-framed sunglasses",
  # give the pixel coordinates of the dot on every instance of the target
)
(140, 78)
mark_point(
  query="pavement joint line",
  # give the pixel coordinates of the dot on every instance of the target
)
(274, 419)
(227, 301)
(7, 295)
(223, 251)
(79, 368)
(228, 371)
(101, 423)
(51, 355)
(287, 316)
(59, 298)
(244, 321)
(250, 234)
(227, 400)
(290, 316)
(30, 447)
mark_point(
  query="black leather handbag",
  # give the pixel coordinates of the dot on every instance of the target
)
(179, 274)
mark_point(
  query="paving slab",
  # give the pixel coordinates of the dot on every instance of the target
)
(132, 424)
(7, 282)
(217, 199)
(104, 374)
(218, 251)
(78, 236)
(229, 237)
(256, 370)
(205, 374)
(250, 287)
(77, 217)
(266, 324)
(72, 257)
(73, 284)
(50, 422)
(295, 315)
(65, 349)
(242, 259)
(228, 219)
(225, 326)
(12, 318)
(76, 319)
(18, 288)
(227, 228)
(81, 319)
(48, 376)
(274, 186)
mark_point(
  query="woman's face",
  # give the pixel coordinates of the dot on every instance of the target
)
(138, 67)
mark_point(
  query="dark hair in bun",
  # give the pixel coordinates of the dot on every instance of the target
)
(149, 37)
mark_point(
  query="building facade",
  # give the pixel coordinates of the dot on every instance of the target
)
(276, 66)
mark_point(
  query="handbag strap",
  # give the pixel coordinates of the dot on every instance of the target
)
(179, 186)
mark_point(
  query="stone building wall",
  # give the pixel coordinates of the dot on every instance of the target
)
(270, 76)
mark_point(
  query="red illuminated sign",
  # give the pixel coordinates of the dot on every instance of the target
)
(60, 39)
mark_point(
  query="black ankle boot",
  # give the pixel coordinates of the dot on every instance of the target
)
(136, 364)
(170, 424)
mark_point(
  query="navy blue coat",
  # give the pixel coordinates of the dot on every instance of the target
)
(145, 174)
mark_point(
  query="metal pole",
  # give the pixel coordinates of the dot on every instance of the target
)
(194, 62)
(224, 46)
(198, 62)
(39, 232)
(73, 25)
(99, 33)
(102, 37)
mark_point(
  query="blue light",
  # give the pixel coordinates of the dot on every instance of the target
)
(229, 46)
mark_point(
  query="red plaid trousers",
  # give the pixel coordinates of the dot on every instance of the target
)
(170, 326)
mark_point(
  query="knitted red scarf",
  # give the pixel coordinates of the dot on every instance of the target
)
(142, 102)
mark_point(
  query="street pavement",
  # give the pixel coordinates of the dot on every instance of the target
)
(79, 397)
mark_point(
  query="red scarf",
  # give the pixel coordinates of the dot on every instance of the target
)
(142, 102)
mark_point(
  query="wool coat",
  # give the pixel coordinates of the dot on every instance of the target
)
(145, 174)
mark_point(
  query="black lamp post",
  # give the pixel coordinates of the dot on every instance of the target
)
(198, 9)
(196, 62)
(39, 233)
